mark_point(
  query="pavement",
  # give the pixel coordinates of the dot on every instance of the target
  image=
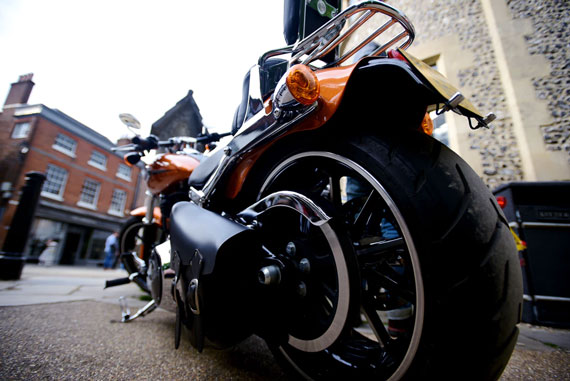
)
(58, 323)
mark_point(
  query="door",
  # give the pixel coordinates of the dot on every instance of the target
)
(73, 243)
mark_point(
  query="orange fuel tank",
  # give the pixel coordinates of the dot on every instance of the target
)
(169, 169)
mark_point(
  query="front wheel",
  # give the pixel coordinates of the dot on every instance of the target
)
(418, 276)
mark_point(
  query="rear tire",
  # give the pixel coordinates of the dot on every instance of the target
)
(462, 264)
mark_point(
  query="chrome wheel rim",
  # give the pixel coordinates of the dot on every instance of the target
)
(411, 258)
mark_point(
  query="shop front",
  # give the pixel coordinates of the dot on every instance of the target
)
(74, 236)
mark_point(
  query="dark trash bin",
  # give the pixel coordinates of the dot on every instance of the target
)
(539, 212)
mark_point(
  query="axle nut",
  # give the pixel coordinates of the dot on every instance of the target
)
(305, 266)
(269, 275)
(291, 249)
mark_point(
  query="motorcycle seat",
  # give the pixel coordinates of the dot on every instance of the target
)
(239, 116)
(207, 166)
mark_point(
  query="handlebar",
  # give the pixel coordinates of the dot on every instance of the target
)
(140, 144)
(145, 144)
(213, 137)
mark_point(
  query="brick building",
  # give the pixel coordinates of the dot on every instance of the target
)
(88, 191)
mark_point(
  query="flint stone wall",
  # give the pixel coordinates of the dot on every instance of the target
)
(551, 39)
(480, 82)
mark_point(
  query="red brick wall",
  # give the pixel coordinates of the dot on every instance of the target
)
(44, 139)
(42, 153)
(10, 158)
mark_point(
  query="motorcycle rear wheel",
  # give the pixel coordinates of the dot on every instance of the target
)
(452, 268)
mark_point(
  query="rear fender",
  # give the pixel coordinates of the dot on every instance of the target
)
(384, 95)
(376, 95)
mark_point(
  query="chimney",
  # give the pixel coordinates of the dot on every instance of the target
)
(124, 140)
(20, 91)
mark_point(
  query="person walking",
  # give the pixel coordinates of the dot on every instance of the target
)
(48, 255)
(111, 250)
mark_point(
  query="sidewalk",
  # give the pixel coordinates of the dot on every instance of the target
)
(64, 306)
(57, 323)
(57, 284)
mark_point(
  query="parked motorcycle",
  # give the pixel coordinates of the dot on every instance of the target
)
(166, 177)
(336, 228)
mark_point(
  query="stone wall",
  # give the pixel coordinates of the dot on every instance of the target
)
(480, 81)
(551, 39)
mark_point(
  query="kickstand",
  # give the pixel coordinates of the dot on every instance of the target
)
(126, 312)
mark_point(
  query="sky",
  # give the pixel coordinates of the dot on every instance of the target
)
(93, 60)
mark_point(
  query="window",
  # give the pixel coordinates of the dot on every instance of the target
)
(54, 185)
(21, 130)
(65, 145)
(124, 172)
(98, 160)
(118, 202)
(89, 194)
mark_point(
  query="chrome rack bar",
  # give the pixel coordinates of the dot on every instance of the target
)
(376, 33)
(385, 47)
(330, 35)
(363, 18)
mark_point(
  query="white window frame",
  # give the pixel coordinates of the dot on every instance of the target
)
(17, 131)
(123, 176)
(58, 197)
(96, 164)
(120, 211)
(88, 205)
(62, 148)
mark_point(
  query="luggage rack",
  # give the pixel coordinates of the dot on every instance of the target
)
(325, 39)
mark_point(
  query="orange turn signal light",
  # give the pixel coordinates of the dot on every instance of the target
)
(303, 84)
(427, 125)
(132, 158)
(126, 160)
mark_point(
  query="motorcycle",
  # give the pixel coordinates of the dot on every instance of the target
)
(166, 177)
(336, 228)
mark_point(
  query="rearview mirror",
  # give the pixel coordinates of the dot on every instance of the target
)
(130, 121)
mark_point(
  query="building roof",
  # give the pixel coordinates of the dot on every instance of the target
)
(67, 123)
(186, 102)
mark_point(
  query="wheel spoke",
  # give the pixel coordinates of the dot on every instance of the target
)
(329, 292)
(364, 214)
(375, 322)
(319, 183)
(378, 251)
(392, 281)
(329, 298)
(336, 198)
